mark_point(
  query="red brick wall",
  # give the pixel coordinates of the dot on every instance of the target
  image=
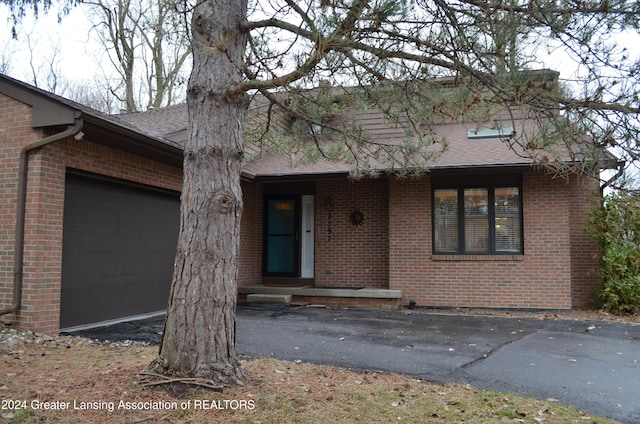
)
(354, 257)
(45, 202)
(250, 266)
(410, 241)
(557, 271)
(585, 252)
(553, 215)
(15, 131)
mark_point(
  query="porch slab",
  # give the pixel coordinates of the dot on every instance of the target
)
(337, 297)
(375, 293)
(269, 298)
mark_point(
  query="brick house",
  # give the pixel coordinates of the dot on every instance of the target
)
(521, 244)
(484, 228)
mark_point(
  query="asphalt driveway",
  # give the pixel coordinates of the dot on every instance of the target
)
(593, 366)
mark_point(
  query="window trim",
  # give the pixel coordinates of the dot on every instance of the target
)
(490, 132)
(489, 182)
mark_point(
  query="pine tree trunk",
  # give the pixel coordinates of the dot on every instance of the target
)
(199, 335)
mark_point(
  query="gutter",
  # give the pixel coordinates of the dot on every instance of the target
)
(620, 165)
(18, 260)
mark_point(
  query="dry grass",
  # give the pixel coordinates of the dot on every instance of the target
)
(70, 370)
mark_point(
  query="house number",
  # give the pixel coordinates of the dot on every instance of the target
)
(328, 203)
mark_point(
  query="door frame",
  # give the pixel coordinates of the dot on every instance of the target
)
(304, 254)
(296, 234)
(307, 236)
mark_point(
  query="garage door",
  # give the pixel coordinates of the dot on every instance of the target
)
(118, 249)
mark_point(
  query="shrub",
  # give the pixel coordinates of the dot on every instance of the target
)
(616, 226)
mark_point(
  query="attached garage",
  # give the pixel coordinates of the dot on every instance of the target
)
(90, 212)
(119, 243)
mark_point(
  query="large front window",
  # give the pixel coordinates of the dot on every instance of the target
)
(477, 220)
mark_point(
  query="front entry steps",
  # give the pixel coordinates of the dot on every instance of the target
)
(269, 298)
(377, 298)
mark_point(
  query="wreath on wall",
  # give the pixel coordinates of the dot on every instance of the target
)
(357, 218)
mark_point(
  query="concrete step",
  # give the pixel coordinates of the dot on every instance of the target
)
(269, 298)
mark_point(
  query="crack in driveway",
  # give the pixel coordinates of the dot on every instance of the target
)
(462, 374)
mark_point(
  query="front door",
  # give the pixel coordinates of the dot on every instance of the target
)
(281, 237)
(288, 236)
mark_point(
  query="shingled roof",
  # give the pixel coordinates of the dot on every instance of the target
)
(163, 122)
(463, 151)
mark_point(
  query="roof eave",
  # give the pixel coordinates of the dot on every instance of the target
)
(116, 136)
(51, 111)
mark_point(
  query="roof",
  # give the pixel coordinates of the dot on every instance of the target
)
(462, 152)
(160, 134)
(162, 122)
(52, 111)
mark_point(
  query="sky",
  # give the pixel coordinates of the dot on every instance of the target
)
(71, 46)
(66, 44)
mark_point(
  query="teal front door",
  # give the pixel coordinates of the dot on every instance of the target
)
(289, 236)
(282, 237)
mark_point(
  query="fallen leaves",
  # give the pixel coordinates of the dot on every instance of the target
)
(283, 391)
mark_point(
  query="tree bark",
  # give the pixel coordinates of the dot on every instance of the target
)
(199, 335)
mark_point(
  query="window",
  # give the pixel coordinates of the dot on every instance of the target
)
(484, 132)
(477, 220)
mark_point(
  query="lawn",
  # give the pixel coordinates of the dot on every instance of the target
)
(75, 380)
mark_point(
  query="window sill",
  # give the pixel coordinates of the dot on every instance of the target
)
(490, 258)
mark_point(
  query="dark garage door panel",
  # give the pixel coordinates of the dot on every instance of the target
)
(118, 249)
